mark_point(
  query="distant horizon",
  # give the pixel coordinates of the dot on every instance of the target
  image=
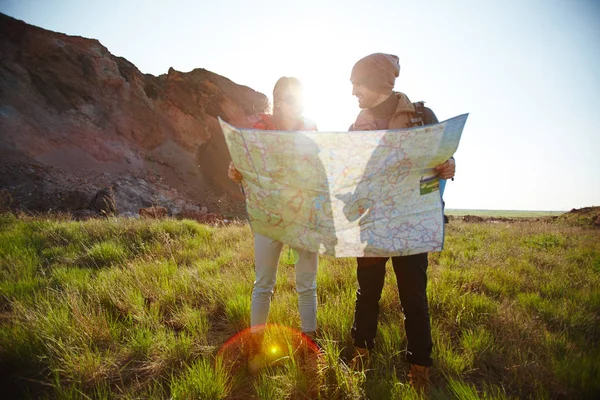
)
(501, 209)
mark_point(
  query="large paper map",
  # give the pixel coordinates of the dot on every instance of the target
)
(347, 194)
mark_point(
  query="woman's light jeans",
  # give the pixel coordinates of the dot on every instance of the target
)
(267, 251)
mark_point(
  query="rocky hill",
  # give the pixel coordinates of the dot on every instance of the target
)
(77, 122)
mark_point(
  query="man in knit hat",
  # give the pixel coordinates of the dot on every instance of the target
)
(373, 79)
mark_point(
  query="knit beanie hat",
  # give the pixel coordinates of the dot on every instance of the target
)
(377, 71)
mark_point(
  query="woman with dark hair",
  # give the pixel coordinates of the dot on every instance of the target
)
(288, 108)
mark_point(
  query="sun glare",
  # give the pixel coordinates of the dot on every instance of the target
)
(330, 105)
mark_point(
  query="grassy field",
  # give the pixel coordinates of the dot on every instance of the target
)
(501, 213)
(132, 309)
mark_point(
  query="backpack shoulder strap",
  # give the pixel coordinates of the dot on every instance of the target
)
(418, 118)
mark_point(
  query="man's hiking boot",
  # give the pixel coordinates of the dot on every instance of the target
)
(361, 359)
(419, 378)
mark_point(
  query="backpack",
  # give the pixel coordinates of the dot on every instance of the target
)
(422, 117)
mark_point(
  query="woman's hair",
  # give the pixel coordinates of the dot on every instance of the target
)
(287, 85)
(284, 83)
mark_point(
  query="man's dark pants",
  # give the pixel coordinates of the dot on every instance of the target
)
(411, 275)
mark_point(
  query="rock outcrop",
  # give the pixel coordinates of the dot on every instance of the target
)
(586, 216)
(76, 120)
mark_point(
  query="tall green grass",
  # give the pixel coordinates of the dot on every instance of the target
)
(122, 308)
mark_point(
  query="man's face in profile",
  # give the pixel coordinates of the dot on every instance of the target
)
(367, 98)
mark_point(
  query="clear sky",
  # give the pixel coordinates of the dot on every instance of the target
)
(527, 71)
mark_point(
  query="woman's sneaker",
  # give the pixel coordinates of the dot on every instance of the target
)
(257, 359)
